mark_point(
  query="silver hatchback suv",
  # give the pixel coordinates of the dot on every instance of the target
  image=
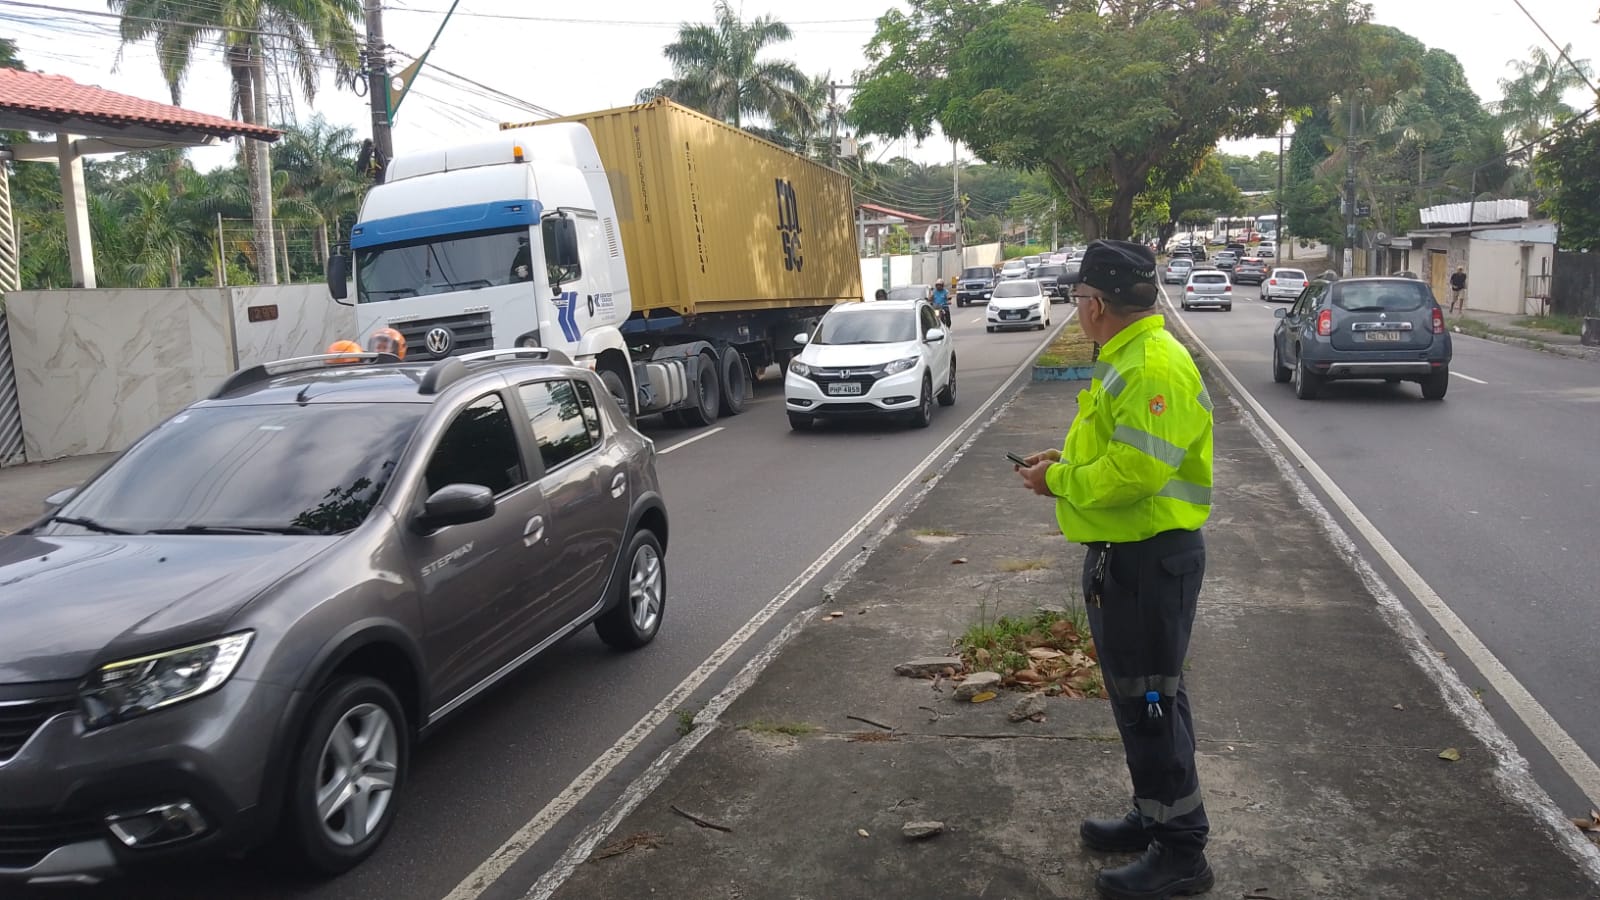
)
(241, 626)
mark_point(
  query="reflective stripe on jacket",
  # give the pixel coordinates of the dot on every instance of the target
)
(1137, 460)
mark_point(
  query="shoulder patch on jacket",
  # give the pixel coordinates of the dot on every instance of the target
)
(1158, 405)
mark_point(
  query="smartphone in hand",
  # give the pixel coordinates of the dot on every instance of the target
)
(1017, 460)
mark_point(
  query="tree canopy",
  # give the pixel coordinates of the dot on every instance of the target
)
(717, 68)
(1569, 173)
(1107, 100)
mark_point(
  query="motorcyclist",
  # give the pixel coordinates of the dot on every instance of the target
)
(941, 301)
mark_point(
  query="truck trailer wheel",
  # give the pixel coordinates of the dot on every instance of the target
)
(734, 382)
(709, 398)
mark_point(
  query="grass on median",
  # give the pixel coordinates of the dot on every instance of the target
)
(792, 729)
(1070, 348)
(1569, 325)
(1049, 650)
(1469, 326)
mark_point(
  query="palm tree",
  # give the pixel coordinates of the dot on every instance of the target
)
(715, 69)
(1535, 98)
(311, 32)
(319, 161)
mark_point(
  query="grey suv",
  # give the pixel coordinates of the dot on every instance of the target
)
(240, 626)
(1355, 328)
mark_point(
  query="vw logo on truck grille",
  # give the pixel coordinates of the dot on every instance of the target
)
(439, 341)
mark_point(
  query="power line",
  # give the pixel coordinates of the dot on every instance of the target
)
(1560, 50)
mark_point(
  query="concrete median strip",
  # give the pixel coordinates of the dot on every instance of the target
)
(529, 835)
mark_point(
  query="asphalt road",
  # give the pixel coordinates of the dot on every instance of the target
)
(752, 506)
(1491, 495)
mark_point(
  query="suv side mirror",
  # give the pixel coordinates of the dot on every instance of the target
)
(59, 499)
(802, 339)
(339, 277)
(456, 504)
(1280, 313)
(934, 335)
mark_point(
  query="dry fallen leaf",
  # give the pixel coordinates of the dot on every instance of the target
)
(983, 696)
(1452, 754)
(960, 561)
(870, 737)
(862, 832)
(1399, 706)
(1028, 676)
(981, 655)
(1045, 653)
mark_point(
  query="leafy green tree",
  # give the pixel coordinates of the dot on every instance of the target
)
(1569, 173)
(318, 161)
(1209, 190)
(1535, 98)
(315, 32)
(717, 69)
(1115, 97)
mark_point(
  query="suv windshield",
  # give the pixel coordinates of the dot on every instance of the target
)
(1017, 289)
(438, 265)
(1381, 296)
(1050, 271)
(980, 272)
(884, 326)
(239, 469)
(912, 292)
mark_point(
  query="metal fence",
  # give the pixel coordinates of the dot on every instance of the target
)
(1575, 284)
(10, 413)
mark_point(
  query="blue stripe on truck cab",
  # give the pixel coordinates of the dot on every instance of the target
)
(452, 220)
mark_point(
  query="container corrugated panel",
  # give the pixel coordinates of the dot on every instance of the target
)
(717, 220)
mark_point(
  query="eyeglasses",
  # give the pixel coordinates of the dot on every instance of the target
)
(1079, 298)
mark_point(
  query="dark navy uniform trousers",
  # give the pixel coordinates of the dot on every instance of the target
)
(1141, 599)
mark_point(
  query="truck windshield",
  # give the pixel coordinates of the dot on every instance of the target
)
(438, 265)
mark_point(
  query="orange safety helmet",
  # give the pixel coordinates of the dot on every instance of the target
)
(344, 347)
(387, 340)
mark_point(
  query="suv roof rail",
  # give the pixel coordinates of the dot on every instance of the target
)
(448, 371)
(263, 371)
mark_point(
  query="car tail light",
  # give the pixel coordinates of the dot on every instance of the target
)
(1190, 288)
(1228, 289)
(1325, 322)
(1272, 281)
(1438, 320)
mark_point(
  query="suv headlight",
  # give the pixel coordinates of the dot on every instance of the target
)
(133, 687)
(800, 368)
(901, 365)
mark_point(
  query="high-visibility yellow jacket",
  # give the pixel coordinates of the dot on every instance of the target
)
(1137, 459)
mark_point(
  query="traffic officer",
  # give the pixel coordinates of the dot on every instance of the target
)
(1133, 483)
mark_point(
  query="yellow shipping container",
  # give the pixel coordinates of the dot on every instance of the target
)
(715, 219)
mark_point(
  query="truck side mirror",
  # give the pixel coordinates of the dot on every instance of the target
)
(339, 277)
(561, 249)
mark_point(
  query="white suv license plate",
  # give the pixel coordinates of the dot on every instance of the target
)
(1382, 336)
(844, 388)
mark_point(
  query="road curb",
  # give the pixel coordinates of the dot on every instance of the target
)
(1062, 373)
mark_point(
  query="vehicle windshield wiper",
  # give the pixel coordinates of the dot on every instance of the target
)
(90, 524)
(1367, 309)
(234, 529)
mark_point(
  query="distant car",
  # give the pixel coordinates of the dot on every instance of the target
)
(890, 359)
(1250, 270)
(1267, 250)
(241, 627)
(1033, 262)
(1208, 287)
(1178, 269)
(1018, 304)
(1362, 328)
(1284, 284)
(1226, 259)
(975, 284)
(1049, 278)
(912, 292)
(1013, 269)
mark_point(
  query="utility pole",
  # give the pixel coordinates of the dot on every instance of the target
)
(955, 166)
(1055, 227)
(833, 123)
(1282, 232)
(378, 86)
(1350, 192)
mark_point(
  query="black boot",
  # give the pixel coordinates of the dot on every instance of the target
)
(1160, 873)
(1124, 835)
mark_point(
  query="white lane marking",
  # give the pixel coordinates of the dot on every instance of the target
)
(1455, 374)
(536, 828)
(976, 321)
(687, 441)
(1561, 746)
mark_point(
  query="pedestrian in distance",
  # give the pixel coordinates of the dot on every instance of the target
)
(1133, 484)
(1458, 289)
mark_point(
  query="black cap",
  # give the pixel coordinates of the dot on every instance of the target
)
(1114, 268)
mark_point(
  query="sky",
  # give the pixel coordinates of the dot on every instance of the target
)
(577, 58)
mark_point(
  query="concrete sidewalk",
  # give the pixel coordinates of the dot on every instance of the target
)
(23, 488)
(1320, 726)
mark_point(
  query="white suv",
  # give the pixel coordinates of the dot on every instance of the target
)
(890, 358)
(1018, 304)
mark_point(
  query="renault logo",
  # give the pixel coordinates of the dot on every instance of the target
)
(439, 341)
